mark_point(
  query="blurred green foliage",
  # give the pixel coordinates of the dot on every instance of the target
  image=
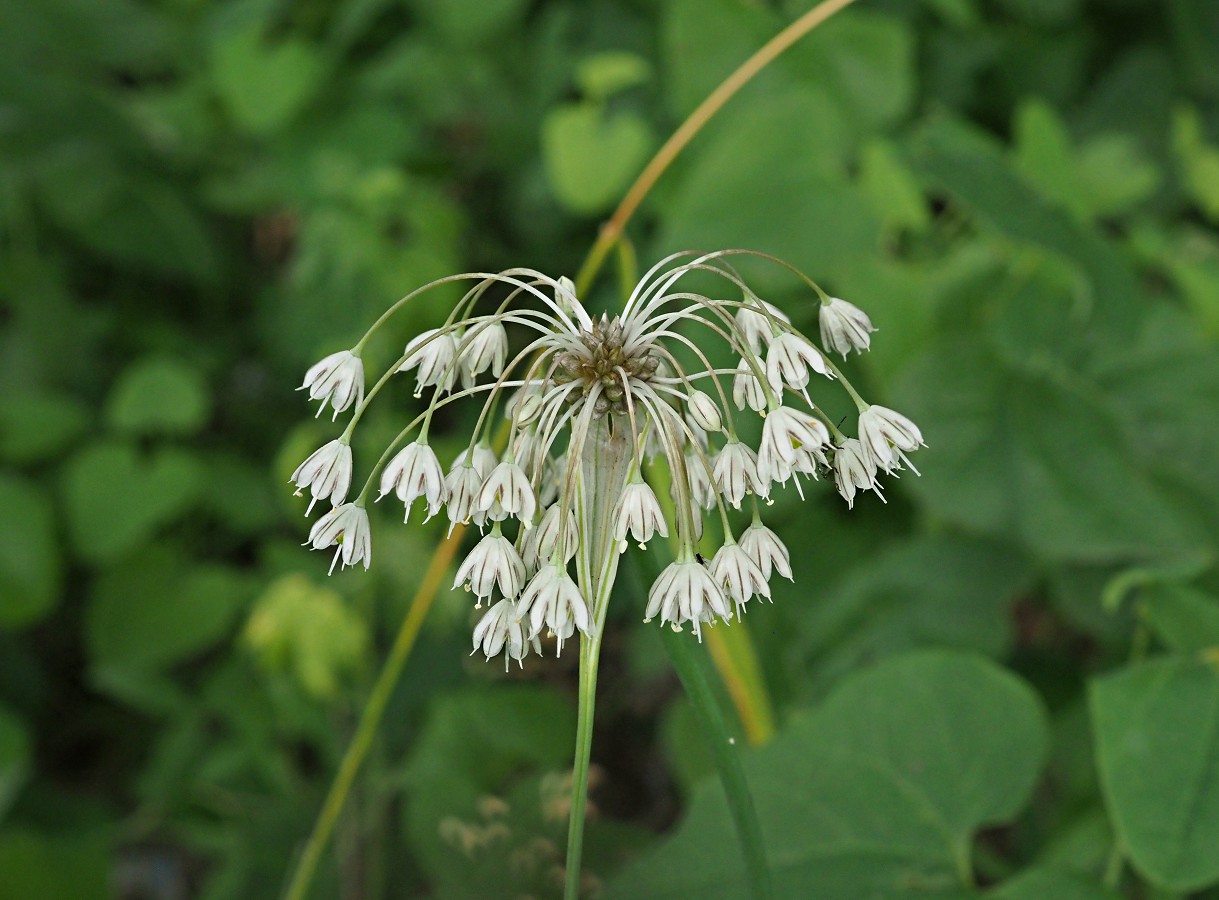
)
(1004, 683)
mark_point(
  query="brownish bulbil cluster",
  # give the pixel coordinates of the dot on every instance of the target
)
(604, 363)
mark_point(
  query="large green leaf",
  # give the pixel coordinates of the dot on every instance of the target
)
(1043, 882)
(152, 611)
(117, 497)
(877, 793)
(1036, 456)
(1164, 383)
(74, 865)
(772, 179)
(591, 156)
(264, 84)
(36, 425)
(158, 395)
(1157, 734)
(866, 62)
(1184, 618)
(976, 174)
(704, 40)
(942, 589)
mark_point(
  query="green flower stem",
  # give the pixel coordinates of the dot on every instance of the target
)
(615, 227)
(693, 669)
(590, 653)
(370, 718)
(691, 665)
(736, 659)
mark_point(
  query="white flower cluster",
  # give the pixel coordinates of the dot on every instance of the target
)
(597, 407)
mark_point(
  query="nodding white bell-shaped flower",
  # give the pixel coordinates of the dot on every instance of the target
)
(765, 549)
(539, 544)
(739, 575)
(686, 592)
(347, 527)
(338, 380)
(696, 518)
(327, 471)
(702, 491)
(552, 476)
(844, 327)
(493, 561)
(755, 326)
(413, 473)
(854, 470)
(501, 628)
(434, 352)
(694, 433)
(789, 359)
(704, 411)
(485, 347)
(461, 486)
(483, 459)
(736, 473)
(787, 435)
(638, 512)
(529, 448)
(507, 492)
(747, 389)
(525, 403)
(887, 437)
(604, 393)
(552, 599)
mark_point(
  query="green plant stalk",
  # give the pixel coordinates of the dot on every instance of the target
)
(590, 654)
(691, 666)
(615, 226)
(606, 461)
(736, 659)
(370, 718)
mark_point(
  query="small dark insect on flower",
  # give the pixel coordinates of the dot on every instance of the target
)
(702, 560)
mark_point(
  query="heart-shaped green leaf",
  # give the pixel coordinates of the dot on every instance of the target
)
(117, 497)
(1157, 734)
(877, 793)
(264, 85)
(590, 156)
(1043, 882)
(36, 425)
(147, 612)
(158, 396)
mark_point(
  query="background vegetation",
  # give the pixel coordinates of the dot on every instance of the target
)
(1006, 681)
